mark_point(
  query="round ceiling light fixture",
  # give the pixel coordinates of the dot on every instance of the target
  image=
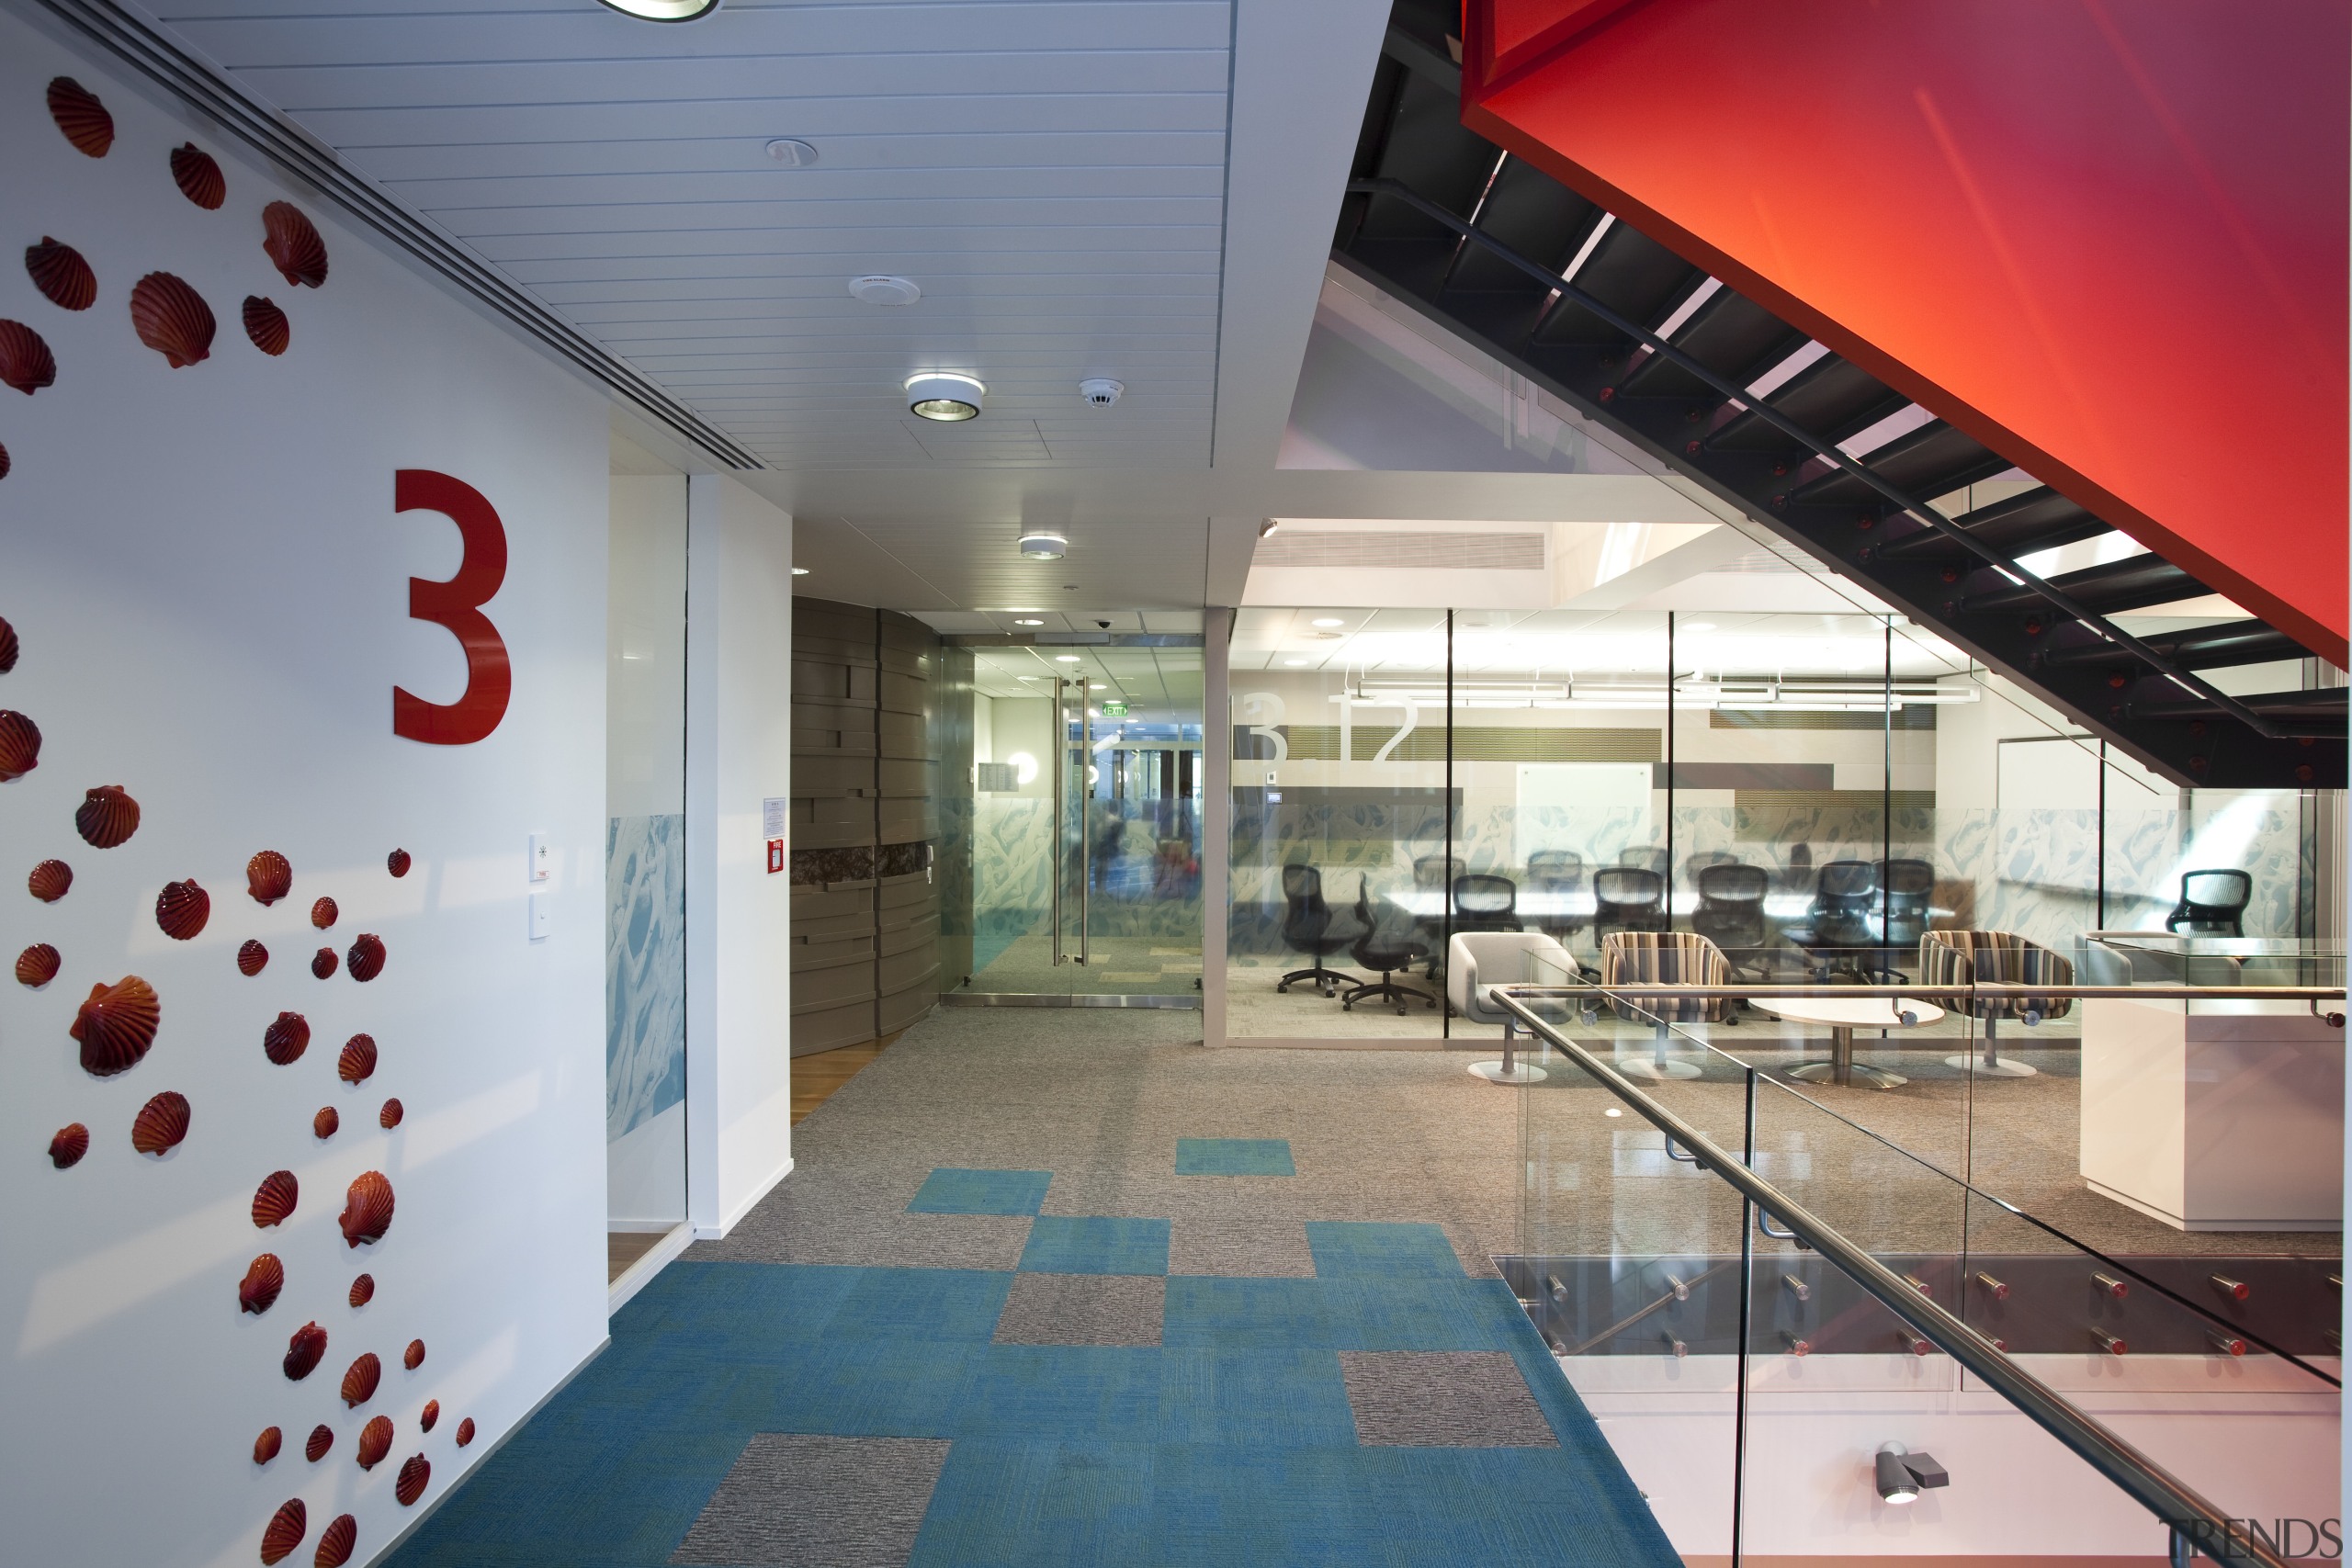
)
(880, 288)
(664, 10)
(948, 395)
(792, 153)
(1041, 546)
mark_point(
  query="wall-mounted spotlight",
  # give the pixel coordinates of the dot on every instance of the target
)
(799, 571)
(1268, 526)
(1044, 547)
(1902, 1475)
(948, 395)
(664, 10)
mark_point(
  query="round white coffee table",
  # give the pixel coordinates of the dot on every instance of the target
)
(1843, 1016)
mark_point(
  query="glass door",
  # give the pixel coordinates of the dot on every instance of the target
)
(1085, 836)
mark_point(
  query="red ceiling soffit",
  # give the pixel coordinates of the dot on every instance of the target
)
(2107, 240)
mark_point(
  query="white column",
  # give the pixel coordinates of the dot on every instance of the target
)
(739, 914)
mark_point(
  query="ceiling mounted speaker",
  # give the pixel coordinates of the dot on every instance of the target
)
(1044, 547)
(877, 289)
(664, 10)
(948, 395)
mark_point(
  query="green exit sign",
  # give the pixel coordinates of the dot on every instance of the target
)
(1115, 710)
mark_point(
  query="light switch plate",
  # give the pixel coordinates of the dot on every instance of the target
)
(539, 904)
(542, 857)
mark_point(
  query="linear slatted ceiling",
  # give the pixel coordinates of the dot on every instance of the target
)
(1403, 550)
(1052, 174)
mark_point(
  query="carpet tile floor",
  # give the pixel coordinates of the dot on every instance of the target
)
(1085, 1405)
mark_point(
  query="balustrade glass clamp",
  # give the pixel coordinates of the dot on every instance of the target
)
(1917, 1343)
(1997, 1289)
(1919, 1285)
(2225, 1344)
(1797, 1286)
(2109, 1285)
(1679, 1349)
(1559, 1291)
(2113, 1345)
(2236, 1290)
(1797, 1346)
(1681, 1291)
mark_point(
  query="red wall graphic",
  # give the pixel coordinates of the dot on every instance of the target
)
(456, 605)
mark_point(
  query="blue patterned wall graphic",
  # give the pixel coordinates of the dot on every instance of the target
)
(645, 969)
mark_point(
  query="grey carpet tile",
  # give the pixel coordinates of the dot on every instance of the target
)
(1084, 1309)
(1475, 1399)
(801, 1229)
(796, 1501)
(1240, 1246)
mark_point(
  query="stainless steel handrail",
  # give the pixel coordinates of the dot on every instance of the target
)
(2172, 1500)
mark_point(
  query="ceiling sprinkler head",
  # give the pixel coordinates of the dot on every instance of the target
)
(1100, 392)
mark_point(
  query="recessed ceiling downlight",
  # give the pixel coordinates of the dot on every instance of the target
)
(1044, 547)
(664, 10)
(946, 395)
(879, 288)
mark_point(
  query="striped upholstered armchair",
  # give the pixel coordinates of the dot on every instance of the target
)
(1960, 958)
(1670, 958)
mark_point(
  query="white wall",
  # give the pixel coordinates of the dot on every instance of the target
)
(739, 914)
(211, 588)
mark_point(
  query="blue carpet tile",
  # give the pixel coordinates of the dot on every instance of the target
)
(1233, 1443)
(1354, 1250)
(1234, 1156)
(981, 1192)
(1060, 1243)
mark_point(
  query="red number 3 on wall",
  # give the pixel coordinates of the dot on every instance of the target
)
(456, 605)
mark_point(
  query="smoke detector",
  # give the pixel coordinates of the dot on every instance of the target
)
(1044, 547)
(879, 289)
(1100, 392)
(948, 395)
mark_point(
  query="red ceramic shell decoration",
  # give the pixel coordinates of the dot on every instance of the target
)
(416, 1474)
(267, 325)
(367, 956)
(322, 1439)
(20, 746)
(389, 1116)
(171, 318)
(252, 959)
(323, 913)
(66, 1149)
(268, 877)
(25, 362)
(3, 474)
(285, 1531)
(264, 1277)
(363, 1289)
(413, 1356)
(9, 650)
(464, 1431)
(58, 270)
(275, 1199)
(106, 816)
(375, 1441)
(367, 1209)
(161, 1125)
(325, 1124)
(265, 1447)
(82, 118)
(335, 1542)
(396, 862)
(199, 177)
(322, 963)
(36, 965)
(359, 1383)
(357, 1064)
(284, 1041)
(181, 910)
(117, 1026)
(293, 244)
(49, 881)
(305, 1350)
(432, 1415)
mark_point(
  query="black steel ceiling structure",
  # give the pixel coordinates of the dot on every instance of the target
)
(1577, 301)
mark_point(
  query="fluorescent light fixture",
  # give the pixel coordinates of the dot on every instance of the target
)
(1294, 663)
(1065, 658)
(944, 395)
(664, 10)
(799, 571)
(1027, 621)
(1044, 547)
(1327, 621)
(1696, 626)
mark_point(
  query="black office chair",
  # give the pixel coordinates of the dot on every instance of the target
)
(1627, 898)
(1310, 927)
(1556, 874)
(1435, 874)
(2213, 903)
(1646, 857)
(1843, 921)
(1391, 941)
(1731, 915)
(1485, 903)
(1906, 893)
